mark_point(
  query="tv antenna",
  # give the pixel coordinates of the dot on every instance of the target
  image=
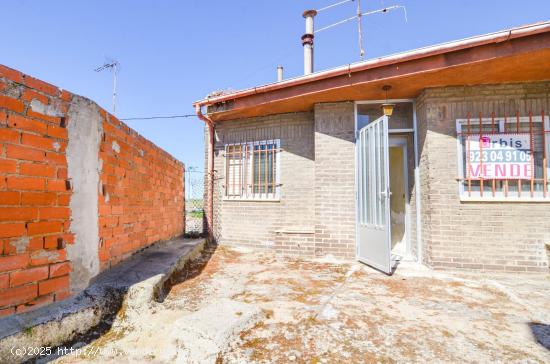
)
(359, 16)
(113, 66)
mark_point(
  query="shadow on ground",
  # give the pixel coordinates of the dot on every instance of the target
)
(192, 269)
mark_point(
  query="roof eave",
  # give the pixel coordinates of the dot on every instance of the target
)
(429, 51)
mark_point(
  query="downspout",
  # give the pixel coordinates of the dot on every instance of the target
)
(210, 173)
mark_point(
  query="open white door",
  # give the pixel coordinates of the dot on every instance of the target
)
(373, 196)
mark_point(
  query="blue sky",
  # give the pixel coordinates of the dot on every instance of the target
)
(175, 52)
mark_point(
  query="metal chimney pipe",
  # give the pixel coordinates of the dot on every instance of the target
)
(307, 41)
(279, 73)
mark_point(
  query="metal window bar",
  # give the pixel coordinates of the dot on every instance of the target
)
(245, 171)
(273, 171)
(251, 169)
(517, 129)
(233, 170)
(468, 158)
(506, 181)
(532, 152)
(227, 151)
(481, 184)
(544, 158)
(533, 126)
(493, 184)
(266, 170)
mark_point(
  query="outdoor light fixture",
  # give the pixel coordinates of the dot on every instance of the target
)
(387, 108)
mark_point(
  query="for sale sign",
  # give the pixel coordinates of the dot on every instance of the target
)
(499, 156)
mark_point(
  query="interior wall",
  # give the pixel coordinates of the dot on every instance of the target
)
(398, 194)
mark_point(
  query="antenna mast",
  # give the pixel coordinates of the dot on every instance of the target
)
(114, 67)
(360, 30)
(359, 16)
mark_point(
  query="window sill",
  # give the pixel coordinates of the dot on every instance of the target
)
(506, 199)
(295, 231)
(251, 199)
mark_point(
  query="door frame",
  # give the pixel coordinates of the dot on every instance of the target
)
(417, 190)
(401, 141)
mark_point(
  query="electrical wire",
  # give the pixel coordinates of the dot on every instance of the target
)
(160, 117)
(333, 5)
(335, 24)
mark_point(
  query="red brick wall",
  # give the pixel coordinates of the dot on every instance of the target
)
(141, 199)
(34, 195)
(140, 202)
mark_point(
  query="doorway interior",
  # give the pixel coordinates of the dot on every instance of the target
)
(399, 198)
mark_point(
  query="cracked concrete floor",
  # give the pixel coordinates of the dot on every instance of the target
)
(236, 306)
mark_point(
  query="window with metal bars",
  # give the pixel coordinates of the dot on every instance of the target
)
(503, 158)
(252, 170)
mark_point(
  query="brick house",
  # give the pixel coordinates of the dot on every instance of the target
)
(455, 177)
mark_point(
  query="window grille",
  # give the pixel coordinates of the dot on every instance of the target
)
(503, 157)
(252, 170)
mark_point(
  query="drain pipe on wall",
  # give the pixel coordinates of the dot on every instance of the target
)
(210, 191)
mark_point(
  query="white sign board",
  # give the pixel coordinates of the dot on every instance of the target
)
(499, 156)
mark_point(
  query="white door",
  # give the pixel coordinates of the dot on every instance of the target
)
(373, 196)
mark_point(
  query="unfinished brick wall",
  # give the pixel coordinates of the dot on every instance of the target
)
(140, 194)
(34, 194)
(141, 199)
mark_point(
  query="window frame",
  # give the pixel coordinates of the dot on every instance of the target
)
(250, 195)
(499, 196)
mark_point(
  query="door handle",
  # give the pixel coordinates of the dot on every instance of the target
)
(385, 194)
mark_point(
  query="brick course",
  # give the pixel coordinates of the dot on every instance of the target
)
(141, 196)
(144, 185)
(27, 172)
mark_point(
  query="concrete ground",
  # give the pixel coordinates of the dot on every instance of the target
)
(235, 306)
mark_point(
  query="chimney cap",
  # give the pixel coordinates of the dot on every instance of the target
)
(311, 12)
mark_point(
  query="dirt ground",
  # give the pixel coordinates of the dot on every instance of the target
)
(236, 306)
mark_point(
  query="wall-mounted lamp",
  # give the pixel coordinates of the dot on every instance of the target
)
(387, 108)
